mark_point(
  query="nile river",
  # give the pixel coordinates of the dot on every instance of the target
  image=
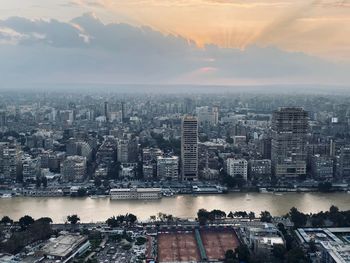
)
(94, 210)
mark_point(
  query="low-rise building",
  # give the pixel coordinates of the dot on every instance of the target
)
(73, 168)
(259, 169)
(135, 193)
(168, 168)
(262, 237)
(322, 167)
(237, 167)
(65, 247)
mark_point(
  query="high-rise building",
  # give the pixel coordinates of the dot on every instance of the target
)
(189, 148)
(106, 111)
(3, 119)
(12, 161)
(123, 151)
(288, 153)
(189, 106)
(343, 163)
(31, 168)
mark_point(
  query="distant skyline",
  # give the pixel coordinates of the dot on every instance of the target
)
(223, 42)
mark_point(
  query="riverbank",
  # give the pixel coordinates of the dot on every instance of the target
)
(184, 206)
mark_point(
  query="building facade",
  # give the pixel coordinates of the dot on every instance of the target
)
(168, 168)
(237, 167)
(288, 153)
(189, 148)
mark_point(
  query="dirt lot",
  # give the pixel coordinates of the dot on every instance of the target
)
(177, 247)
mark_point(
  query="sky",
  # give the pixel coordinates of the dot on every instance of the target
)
(225, 42)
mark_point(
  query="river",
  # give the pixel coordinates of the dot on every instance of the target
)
(186, 206)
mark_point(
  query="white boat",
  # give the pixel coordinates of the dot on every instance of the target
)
(6, 196)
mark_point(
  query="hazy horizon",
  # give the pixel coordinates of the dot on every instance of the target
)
(255, 43)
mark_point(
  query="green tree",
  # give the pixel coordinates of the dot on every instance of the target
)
(44, 181)
(230, 256)
(243, 253)
(218, 214)
(325, 187)
(131, 218)
(25, 221)
(265, 216)
(279, 251)
(112, 222)
(73, 219)
(81, 192)
(203, 216)
(296, 255)
(97, 182)
(6, 220)
(251, 216)
(46, 220)
(299, 219)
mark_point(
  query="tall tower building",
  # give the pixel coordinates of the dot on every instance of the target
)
(106, 111)
(289, 131)
(123, 111)
(189, 148)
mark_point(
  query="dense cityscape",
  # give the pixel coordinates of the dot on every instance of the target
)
(158, 146)
(174, 131)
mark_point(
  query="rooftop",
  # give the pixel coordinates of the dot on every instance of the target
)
(63, 245)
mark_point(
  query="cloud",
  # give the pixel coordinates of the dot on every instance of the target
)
(86, 50)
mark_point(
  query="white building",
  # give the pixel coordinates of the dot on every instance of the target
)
(168, 168)
(237, 167)
(135, 193)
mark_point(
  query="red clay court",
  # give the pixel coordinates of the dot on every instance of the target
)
(217, 242)
(177, 247)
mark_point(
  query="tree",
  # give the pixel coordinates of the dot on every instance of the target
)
(218, 214)
(131, 218)
(81, 192)
(251, 216)
(230, 256)
(6, 220)
(105, 183)
(299, 219)
(25, 221)
(243, 253)
(325, 187)
(44, 181)
(97, 182)
(279, 251)
(265, 216)
(73, 219)
(46, 220)
(296, 255)
(38, 182)
(112, 222)
(312, 246)
(228, 180)
(203, 216)
(229, 140)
